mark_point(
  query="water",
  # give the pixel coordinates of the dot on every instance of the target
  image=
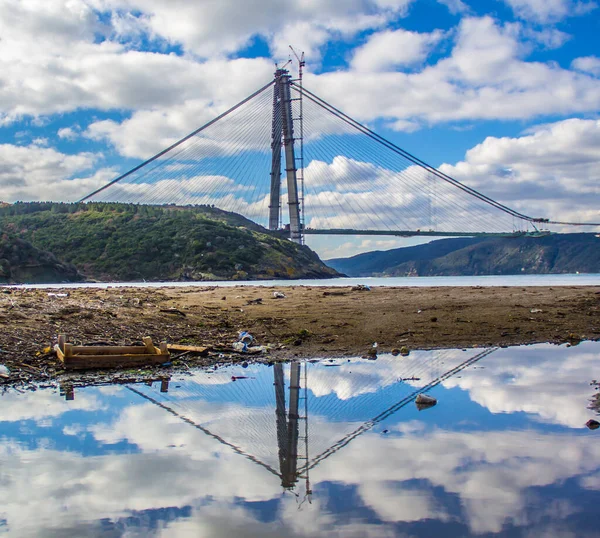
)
(411, 282)
(504, 453)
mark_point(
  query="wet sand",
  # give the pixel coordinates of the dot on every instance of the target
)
(308, 322)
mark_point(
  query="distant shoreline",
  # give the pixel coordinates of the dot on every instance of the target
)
(541, 280)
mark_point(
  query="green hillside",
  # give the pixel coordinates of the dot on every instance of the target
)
(21, 262)
(125, 242)
(559, 253)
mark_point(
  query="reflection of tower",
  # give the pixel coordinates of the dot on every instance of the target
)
(287, 427)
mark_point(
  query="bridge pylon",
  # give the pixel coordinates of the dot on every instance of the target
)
(282, 135)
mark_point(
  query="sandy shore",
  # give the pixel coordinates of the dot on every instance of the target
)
(308, 322)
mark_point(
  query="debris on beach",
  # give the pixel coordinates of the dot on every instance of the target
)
(423, 401)
(279, 295)
(198, 350)
(103, 356)
(371, 353)
(4, 372)
(361, 287)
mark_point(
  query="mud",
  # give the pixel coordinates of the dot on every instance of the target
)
(308, 322)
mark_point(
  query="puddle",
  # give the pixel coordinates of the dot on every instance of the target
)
(307, 449)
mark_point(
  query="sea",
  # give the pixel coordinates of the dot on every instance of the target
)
(411, 282)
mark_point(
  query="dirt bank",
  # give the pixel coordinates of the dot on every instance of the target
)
(308, 322)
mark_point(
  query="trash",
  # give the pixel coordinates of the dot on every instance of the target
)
(279, 295)
(245, 337)
(404, 351)
(425, 402)
(375, 345)
(258, 349)
(52, 294)
(395, 352)
(361, 287)
(240, 346)
(87, 357)
(419, 311)
(536, 310)
(371, 354)
(592, 424)
(4, 372)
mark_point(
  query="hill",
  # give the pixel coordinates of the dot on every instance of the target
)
(560, 253)
(21, 262)
(126, 242)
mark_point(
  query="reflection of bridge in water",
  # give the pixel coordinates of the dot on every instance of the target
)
(346, 400)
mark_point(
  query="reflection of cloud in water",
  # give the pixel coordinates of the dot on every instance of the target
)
(548, 381)
(43, 404)
(358, 376)
(419, 472)
(492, 475)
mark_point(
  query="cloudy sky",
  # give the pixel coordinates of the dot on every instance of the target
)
(501, 94)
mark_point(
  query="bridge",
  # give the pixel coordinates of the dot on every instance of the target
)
(255, 419)
(341, 177)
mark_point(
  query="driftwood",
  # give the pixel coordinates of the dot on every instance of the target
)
(200, 350)
(89, 357)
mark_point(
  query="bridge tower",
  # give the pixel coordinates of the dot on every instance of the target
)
(282, 134)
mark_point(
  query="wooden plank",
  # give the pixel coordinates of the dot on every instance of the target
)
(68, 349)
(181, 347)
(163, 348)
(113, 361)
(59, 353)
(108, 350)
(149, 344)
(62, 339)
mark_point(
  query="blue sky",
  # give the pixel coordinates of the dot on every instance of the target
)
(501, 94)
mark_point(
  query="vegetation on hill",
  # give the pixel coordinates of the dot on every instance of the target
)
(21, 262)
(127, 242)
(559, 253)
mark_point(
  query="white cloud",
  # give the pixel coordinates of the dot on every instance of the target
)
(547, 11)
(68, 133)
(393, 48)
(484, 77)
(208, 28)
(455, 6)
(552, 171)
(587, 64)
(40, 173)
